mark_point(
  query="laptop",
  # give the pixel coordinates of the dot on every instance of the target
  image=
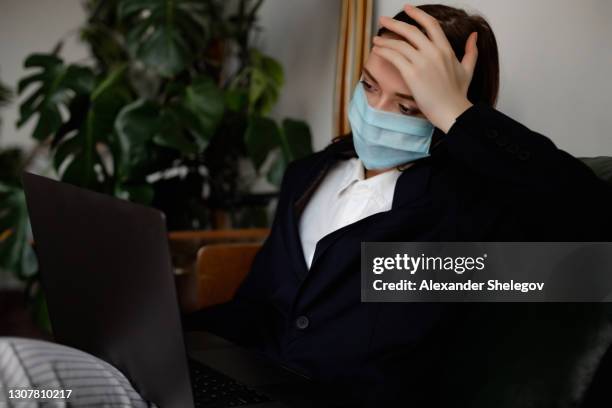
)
(107, 276)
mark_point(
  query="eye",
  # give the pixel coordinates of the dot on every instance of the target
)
(407, 111)
(366, 85)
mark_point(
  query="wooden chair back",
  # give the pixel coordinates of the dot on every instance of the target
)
(220, 268)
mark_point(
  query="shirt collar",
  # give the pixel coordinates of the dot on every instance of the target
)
(354, 172)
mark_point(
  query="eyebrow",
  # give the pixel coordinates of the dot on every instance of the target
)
(401, 95)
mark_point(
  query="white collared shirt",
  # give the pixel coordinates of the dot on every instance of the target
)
(344, 197)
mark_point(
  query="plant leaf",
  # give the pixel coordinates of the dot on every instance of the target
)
(136, 125)
(203, 101)
(171, 134)
(262, 135)
(58, 84)
(164, 50)
(46, 61)
(266, 80)
(295, 139)
(16, 254)
(275, 174)
(138, 193)
(95, 126)
(164, 33)
(295, 142)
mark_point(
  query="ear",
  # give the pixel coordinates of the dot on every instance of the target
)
(471, 53)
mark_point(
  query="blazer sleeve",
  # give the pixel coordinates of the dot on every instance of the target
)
(526, 165)
(502, 149)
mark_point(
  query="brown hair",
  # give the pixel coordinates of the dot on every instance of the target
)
(457, 25)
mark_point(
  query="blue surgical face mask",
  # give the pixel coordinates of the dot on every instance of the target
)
(386, 139)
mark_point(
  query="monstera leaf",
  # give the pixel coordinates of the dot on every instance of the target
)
(289, 142)
(186, 124)
(100, 33)
(5, 96)
(11, 163)
(262, 135)
(296, 142)
(135, 126)
(58, 83)
(16, 254)
(90, 125)
(164, 33)
(265, 78)
(295, 139)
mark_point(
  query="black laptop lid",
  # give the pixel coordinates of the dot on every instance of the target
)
(107, 276)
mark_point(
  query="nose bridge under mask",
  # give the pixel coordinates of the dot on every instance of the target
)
(385, 139)
(395, 122)
(380, 104)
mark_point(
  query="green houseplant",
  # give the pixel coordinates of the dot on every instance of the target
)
(15, 254)
(174, 99)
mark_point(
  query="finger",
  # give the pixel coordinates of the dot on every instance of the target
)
(410, 32)
(400, 46)
(471, 53)
(394, 57)
(430, 24)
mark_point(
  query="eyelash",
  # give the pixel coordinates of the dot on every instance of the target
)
(404, 110)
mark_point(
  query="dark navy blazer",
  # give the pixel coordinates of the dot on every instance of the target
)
(488, 179)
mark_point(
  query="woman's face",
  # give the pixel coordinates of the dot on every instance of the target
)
(385, 88)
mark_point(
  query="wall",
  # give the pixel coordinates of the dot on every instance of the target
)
(303, 35)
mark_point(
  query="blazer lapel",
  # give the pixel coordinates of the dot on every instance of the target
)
(410, 190)
(297, 202)
(412, 185)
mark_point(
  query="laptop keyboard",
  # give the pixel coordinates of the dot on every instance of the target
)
(213, 389)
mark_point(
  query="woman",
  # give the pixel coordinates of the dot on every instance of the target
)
(463, 171)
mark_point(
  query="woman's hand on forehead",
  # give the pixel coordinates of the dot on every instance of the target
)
(438, 80)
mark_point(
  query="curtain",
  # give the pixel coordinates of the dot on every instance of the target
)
(354, 42)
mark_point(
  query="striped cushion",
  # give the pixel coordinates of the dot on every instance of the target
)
(31, 364)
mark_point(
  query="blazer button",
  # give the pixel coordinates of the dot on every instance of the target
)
(513, 148)
(491, 133)
(502, 141)
(524, 155)
(302, 322)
